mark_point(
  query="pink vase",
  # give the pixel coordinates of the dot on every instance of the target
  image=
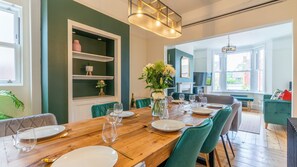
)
(76, 46)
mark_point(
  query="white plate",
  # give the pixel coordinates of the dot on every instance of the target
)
(202, 110)
(44, 131)
(215, 105)
(91, 156)
(177, 101)
(125, 114)
(168, 125)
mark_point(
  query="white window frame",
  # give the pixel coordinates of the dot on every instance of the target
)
(16, 11)
(253, 71)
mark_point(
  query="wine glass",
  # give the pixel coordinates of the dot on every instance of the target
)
(181, 98)
(203, 101)
(118, 109)
(192, 98)
(109, 132)
(200, 94)
(111, 117)
(25, 139)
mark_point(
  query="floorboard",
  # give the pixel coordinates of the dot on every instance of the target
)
(267, 149)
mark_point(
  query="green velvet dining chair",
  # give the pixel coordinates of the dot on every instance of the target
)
(141, 103)
(212, 139)
(99, 110)
(188, 146)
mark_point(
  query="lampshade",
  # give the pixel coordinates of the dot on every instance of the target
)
(229, 48)
(155, 16)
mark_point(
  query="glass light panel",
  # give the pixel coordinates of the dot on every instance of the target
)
(156, 17)
(239, 61)
(238, 81)
(7, 64)
(7, 27)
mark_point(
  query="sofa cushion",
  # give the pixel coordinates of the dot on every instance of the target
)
(287, 95)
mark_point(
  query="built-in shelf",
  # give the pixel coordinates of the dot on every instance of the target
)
(92, 57)
(91, 97)
(92, 77)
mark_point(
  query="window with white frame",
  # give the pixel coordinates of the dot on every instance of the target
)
(239, 71)
(10, 45)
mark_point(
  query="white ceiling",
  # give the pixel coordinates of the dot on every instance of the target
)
(183, 6)
(241, 39)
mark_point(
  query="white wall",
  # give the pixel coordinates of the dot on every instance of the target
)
(138, 59)
(270, 15)
(200, 60)
(281, 63)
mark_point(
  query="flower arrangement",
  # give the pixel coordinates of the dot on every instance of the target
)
(101, 84)
(158, 76)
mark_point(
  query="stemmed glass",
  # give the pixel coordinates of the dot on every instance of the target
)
(109, 132)
(203, 101)
(192, 98)
(118, 109)
(181, 98)
(110, 116)
(25, 139)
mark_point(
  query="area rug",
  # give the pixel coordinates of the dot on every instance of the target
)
(250, 122)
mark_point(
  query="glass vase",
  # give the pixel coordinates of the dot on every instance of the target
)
(158, 105)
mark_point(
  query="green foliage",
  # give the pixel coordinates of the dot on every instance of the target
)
(158, 75)
(3, 116)
(18, 104)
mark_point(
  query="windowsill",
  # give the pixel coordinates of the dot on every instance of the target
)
(11, 84)
(242, 92)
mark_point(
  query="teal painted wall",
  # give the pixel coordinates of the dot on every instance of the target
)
(54, 51)
(174, 57)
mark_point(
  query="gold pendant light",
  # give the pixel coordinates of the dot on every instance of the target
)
(155, 16)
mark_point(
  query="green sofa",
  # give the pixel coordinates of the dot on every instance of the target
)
(276, 111)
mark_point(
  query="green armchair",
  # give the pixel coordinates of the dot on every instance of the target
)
(276, 111)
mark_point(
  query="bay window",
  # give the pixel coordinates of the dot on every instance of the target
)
(239, 71)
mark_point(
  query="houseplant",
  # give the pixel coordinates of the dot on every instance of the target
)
(158, 77)
(101, 84)
(8, 94)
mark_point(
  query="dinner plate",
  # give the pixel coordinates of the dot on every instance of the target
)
(124, 114)
(215, 105)
(202, 111)
(177, 101)
(44, 131)
(168, 125)
(90, 156)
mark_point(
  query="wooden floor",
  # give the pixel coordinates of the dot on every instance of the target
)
(267, 149)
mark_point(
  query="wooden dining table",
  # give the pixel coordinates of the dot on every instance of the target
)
(137, 140)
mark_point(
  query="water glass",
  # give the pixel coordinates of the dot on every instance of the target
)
(164, 114)
(192, 98)
(203, 101)
(25, 139)
(109, 132)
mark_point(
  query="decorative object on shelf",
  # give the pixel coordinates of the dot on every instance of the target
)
(76, 46)
(156, 17)
(89, 69)
(158, 77)
(101, 84)
(229, 48)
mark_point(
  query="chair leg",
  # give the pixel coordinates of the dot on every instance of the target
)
(206, 160)
(266, 125)
(230, 145)
(226, 152)
(217, 157)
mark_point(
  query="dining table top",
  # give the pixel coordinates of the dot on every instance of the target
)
(137, 140)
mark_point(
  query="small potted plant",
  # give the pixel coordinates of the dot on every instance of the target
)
(101, 84)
